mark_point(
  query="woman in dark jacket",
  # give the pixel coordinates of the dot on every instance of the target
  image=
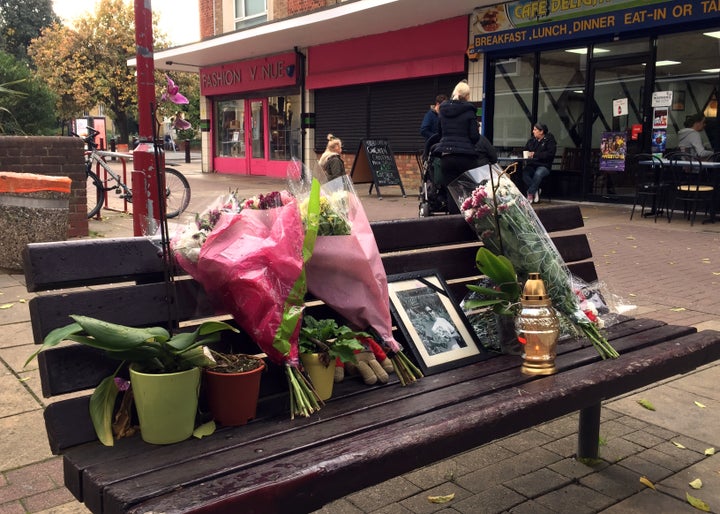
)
(458, 136)
(542, 148)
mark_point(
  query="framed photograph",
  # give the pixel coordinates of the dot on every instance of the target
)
(435, 328)
(678, 101)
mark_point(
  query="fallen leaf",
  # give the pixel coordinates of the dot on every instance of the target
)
(696, 484)
(204, 430)
(441, 499)
(22, 300)
(6, 305)
(631, 238)
(648, 483)
(646, 403)
(716, 272)
(697, 503)
(710, 451)
(700, 405)
(632, 294)
(678, 309)
(678, 445)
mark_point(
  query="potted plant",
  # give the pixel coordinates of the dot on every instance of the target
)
(503, 298)
(232, 387)
(159, 364)
(321, 342)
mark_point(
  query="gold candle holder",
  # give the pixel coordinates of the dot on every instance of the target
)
(538, 328)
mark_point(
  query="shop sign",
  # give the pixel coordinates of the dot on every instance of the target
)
(529, 22)
(270, 72)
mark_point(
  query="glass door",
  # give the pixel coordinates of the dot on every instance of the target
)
(618, 89)
(256, 134)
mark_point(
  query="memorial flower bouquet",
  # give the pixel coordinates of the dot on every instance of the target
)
(346, 272)
(507, 224)
(250, 258)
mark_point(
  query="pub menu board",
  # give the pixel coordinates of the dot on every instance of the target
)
(375, 163)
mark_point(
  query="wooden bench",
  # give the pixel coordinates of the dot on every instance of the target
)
(363, 435)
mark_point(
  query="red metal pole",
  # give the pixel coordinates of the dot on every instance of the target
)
(146, 207)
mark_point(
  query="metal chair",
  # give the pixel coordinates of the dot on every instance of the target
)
(691, 187)
(651, 187)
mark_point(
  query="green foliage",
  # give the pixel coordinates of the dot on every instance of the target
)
(329, 339)
(26, 104)
(505, 296)
(20, 22)
(151, 350)
(87, 66)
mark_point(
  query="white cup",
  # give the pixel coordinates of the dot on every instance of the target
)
(526, 154)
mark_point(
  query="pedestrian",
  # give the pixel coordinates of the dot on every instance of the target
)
(459, 134)
(431, 120)
(487, 154)
(540, 151)
(331, 161)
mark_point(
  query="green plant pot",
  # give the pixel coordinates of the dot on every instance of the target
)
(233, 397)
(166, 404)
(322, 377)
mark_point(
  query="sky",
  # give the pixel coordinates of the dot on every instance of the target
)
(178, 18)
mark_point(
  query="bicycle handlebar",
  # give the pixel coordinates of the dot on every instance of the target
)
(89, 139)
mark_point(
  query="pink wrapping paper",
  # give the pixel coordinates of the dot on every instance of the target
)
(347, 274)
(248, 266)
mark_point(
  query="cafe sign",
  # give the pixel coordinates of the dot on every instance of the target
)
(269, 72)
(529, 22)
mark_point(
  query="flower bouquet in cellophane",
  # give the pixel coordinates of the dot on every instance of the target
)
(347, 274)
(249, 257)
(507, 224)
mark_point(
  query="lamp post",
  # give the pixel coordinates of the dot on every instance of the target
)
(146, 157)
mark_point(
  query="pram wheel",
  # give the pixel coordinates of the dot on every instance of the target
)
(425, 210)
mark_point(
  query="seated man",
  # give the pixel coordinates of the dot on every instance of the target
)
(541, 152)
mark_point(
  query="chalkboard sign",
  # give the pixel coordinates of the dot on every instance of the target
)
(375, 163)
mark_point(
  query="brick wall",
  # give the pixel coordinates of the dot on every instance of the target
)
(303, 6)
(210, 12)
(58, 156)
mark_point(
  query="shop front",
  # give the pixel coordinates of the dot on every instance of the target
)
(610, 80)
(254, 114)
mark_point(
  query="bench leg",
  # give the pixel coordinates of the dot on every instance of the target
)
(589, 432)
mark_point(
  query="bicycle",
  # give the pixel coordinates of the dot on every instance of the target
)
(177, 187)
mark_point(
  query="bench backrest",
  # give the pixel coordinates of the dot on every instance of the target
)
(121, 280)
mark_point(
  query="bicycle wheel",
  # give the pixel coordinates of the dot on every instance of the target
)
(177, 193)
(95, 194)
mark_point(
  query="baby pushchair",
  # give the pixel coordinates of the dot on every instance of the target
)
(433, 198)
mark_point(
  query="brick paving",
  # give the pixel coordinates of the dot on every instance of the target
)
(669, 271)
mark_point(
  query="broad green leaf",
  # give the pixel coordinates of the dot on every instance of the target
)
(441, 499)
(198, 357)
(102, 403)
(648, 483)
(56, 337)
(679, 445)
(646, 404)
(697, 503)
(119, 337)
(204, 430)
(210, 327)
(696, 484)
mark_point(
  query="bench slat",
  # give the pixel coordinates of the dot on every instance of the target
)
(323, 470)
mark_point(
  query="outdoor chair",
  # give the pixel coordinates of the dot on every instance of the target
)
(691, 187)
(651, 185)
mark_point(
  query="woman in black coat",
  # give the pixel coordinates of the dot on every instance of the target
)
(459, 134)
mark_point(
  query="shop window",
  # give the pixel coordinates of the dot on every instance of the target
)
(230, 128)
(691, 72)
(513, 102)
(285, 133)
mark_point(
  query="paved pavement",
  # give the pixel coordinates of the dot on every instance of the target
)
(668, 271)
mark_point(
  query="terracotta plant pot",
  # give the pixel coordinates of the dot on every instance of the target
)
(233, 396)
(321, 376)
(166, 404)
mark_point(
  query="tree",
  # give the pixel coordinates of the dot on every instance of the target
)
(88, 66)
(26, 103)
(21, 21)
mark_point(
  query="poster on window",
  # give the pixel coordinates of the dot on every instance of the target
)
(660, 118)
(659, 142)
(613, 146)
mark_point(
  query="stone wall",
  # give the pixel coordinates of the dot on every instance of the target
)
(51, 155)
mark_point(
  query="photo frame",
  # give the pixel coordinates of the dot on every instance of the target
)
(678, 102)
(433, 324)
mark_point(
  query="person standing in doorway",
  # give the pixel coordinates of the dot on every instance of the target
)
(431, 120)
(331, 161)
(540, 150)
(459, 134)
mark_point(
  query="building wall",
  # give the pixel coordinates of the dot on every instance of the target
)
(56, 156)
(210, 18)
